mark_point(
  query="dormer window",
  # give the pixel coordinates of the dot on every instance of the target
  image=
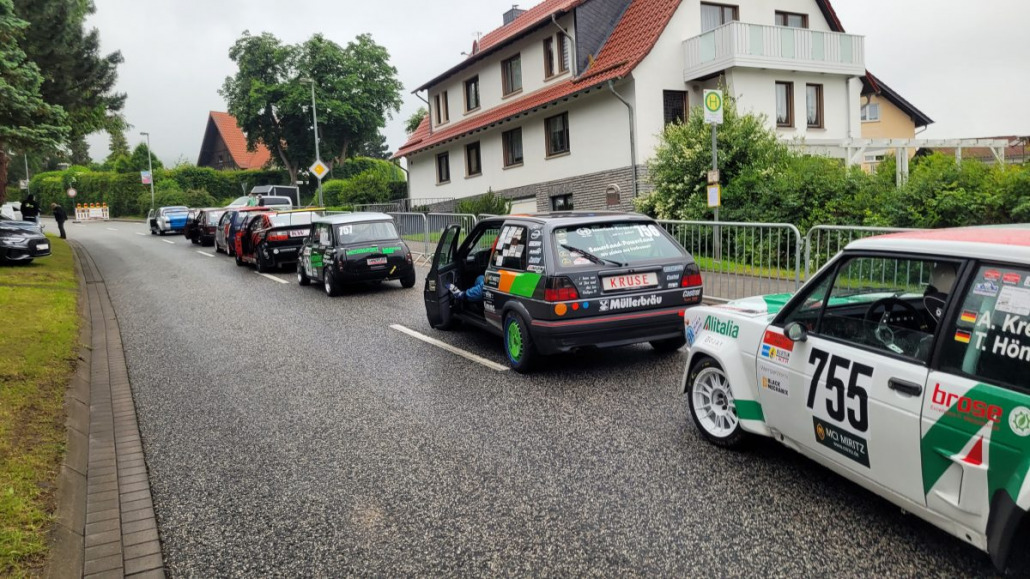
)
(556, 55)
(511, 75)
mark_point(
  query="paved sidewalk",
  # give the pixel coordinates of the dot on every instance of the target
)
(106, 523)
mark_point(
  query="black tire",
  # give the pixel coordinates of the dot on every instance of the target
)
(194, 240)
(727, 433)
(408, 280)
(302, 277)
(262, 265)
(332, 287)
(669, 344)
(152, 230)
(240, 262)
(518, 344)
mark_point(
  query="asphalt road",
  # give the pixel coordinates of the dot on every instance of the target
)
(290, 434)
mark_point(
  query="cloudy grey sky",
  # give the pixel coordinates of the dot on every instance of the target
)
(965, 67)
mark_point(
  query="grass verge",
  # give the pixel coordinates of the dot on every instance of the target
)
(38, 343)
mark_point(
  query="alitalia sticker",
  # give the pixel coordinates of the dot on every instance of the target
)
(774, 379)
(841, 441)
(626, 303)
(725, 327)
(776, 347)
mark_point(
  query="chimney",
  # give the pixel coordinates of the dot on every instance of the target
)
(512, 14)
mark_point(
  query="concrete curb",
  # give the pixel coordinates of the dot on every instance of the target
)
(106, 526)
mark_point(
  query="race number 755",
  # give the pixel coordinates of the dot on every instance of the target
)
(851, 401)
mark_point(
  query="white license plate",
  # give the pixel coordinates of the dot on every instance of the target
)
(299, 233)
(376, 261)
(43, 246)
(631, 281)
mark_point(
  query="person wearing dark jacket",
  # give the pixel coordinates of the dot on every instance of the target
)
(60, 217)
(30, 209)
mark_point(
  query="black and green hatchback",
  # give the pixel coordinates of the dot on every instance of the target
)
(556, 282)
(353, 248)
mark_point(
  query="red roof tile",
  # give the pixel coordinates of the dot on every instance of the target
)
(236, 141)
(631, 40)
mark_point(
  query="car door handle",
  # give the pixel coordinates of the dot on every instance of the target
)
(907, 388)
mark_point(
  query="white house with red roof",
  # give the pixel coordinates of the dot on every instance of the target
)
(563, 105)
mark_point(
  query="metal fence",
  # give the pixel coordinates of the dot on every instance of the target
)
(742, 259)
(825, 241)
(414, 230)
(439, 221)
(379, 207)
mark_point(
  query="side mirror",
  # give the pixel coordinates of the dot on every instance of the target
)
(796, 332)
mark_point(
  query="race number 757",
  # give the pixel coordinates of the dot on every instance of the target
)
(851, 401)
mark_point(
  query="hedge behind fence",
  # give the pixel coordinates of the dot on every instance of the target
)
(126, 195)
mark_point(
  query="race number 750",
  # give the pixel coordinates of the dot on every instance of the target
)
(839, 403)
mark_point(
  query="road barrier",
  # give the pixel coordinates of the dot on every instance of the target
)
(825, 241)
(92, 211)
(414, 230)
(738, 260)
(439, 221)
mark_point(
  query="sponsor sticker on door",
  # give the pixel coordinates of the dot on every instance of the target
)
(776, 347)
(841, 441)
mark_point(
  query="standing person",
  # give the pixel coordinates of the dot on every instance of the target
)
(60, 216)
(30, 209)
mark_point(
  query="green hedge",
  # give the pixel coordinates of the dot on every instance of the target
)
(123, 191)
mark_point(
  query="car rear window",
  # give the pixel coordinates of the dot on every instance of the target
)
(168, 210)
(614, 243)
(365, 232)
(287, 219)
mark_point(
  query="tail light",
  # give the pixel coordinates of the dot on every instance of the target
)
(560, 289)
(278, 237)
(691, 276)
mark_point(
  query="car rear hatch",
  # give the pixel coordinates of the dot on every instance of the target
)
(287, 240)
(612, 268)
(177, 220)
(368, 260)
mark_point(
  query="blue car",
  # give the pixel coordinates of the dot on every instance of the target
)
(168, 219)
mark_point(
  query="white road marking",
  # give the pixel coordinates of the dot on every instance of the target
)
(111, 229)
(166, 241)
(450, 348)
(143, 234)
(270, 276)
(205, 253)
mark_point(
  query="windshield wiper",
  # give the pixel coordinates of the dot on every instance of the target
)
(592, 257)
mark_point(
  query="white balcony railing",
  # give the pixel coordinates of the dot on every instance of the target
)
(739, 44)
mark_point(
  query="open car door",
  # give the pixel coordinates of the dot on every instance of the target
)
(443, 272)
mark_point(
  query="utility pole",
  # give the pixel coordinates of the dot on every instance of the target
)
(318, 156)
(150, 167)
(28, 184)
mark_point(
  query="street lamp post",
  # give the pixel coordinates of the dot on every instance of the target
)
(150, 167)
(314, 116)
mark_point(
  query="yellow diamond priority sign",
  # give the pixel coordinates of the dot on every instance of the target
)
(319, 169)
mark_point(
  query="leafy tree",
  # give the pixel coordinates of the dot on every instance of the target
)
(375, 148)
(138, 161)
(679, 169)
(119, 144)
(356, 90)
(79, 149)
(411, 125)
(76, 76)
(26, 120)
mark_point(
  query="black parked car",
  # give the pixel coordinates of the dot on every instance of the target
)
(22, 241)
(357, 247)
(273, 240)
(206, 225)
(560, 281)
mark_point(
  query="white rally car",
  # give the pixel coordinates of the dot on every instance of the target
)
(903, 365)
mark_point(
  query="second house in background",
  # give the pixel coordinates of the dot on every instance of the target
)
(562, 107)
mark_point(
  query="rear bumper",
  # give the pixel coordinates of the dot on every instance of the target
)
(283, 255)
(552, 337)
(349, 275)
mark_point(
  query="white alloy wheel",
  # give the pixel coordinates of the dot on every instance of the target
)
(713, 403)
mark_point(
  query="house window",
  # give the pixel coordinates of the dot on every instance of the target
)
(557, 129)
(511, 74)
(871, 112)
(512, 143)
(472, 94)
(556, 60)
(561, 202)
(443, 168)
(814, 97)
(715, 15)
(784, 104)
(791, 20)
(674, 105)
(440, 101)
(473, 161)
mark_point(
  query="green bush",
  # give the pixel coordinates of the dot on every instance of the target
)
(173, 196)
(488, 203)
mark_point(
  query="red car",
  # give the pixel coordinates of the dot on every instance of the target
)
(228, 225)
(272, 240)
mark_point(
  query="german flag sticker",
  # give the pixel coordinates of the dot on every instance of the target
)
(968, 317)
(962, 336)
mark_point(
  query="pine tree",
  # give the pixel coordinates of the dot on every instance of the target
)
(26, 120)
